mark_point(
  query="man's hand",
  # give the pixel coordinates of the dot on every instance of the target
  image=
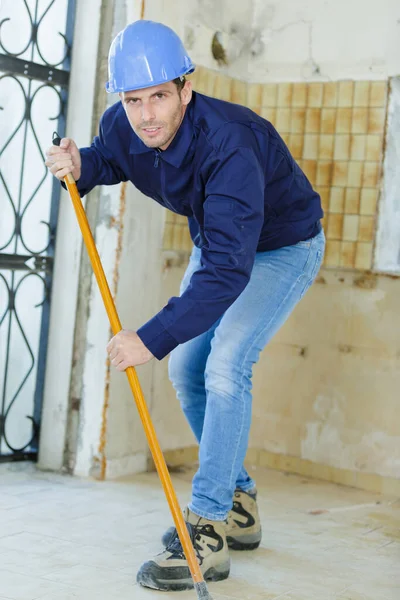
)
(64, 159)
(126, 349)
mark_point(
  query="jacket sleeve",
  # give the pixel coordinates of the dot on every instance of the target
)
(233, 218)
(99, 167)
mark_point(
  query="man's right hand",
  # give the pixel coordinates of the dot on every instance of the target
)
(64, 159)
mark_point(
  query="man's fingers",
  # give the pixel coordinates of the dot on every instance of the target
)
(123, 365)
(63, 172)
(52, 159)
(65, 142)
(57, 150)
(113, 354)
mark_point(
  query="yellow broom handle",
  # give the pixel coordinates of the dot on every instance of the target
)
(153, 442)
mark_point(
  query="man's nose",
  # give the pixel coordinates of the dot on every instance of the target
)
(147, 112)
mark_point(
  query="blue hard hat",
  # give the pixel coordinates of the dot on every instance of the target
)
(146, 53)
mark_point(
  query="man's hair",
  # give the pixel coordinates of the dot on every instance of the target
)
(180, 83)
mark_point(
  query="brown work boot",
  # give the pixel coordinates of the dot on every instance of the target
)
(242, 528)
(169, 570)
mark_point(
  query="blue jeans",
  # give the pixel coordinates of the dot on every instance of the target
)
(212, 372)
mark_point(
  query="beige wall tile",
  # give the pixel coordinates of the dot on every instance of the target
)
(254, 94)
(371, 174)
(340, 169)
(298, 120)
(299, 94)
(210, 82)
(346, 92)
(255, 109)
(187, 240)
(378, 93)
(283, 120)
(168, 236)
(326, 147)
(336, 203)
(324, 173)
(286, 137)
(334, 228)
(222, 87)
(359, 122)
(332, 253)
(374, 147)
(358, 147)
(310, 169)
(342, 147)
(313, 120)
(361, 93)
(310, 149)
(177, 237)
(330, 96)
(328, 120)
(325, 193)
(202, 80)
(376, 120)
(269, 96)
(368, 201)
(296, 142)
(350, 228)
(343, 120)
(315, 94)
(352, 201)
(238, 92)
(364, 256)
(348, 254)
(367, 229)
(285, 91)
(355, 173)
(269, 113)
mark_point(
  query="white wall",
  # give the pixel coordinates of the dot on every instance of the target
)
(68, 245)
(293, 40)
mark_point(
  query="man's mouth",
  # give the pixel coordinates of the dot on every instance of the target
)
(151, 129)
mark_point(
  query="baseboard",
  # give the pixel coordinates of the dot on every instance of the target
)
(126, 465)
(300, 466)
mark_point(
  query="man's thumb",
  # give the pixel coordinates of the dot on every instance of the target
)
(65, 142)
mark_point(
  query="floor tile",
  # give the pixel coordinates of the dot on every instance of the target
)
(64, 538)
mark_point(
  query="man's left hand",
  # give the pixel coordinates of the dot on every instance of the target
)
(126, 349)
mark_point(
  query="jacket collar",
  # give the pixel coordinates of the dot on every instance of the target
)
(179, 148)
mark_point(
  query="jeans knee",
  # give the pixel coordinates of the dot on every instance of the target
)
(226, 379)
(182, 373)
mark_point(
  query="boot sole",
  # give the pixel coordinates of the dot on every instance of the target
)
(152, 576)
(249, 542)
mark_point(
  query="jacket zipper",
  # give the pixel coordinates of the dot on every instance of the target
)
(157, 157)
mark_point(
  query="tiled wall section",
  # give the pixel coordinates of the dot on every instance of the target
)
(335, 131)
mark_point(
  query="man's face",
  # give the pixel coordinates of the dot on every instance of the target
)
(155, 113)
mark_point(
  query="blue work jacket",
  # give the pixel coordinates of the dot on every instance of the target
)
(231, 174)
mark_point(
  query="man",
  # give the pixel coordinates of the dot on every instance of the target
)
(258, 245)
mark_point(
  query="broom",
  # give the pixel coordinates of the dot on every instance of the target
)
(158, 457)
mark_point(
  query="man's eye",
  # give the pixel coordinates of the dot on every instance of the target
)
(160, 95)
(132, 100)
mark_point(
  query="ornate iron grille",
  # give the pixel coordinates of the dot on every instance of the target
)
(34, 75)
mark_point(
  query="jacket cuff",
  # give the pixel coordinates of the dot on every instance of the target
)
(156, 338)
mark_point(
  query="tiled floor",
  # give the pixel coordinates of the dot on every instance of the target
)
(66, 539)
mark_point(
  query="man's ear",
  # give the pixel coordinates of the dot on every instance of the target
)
(186, 93)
